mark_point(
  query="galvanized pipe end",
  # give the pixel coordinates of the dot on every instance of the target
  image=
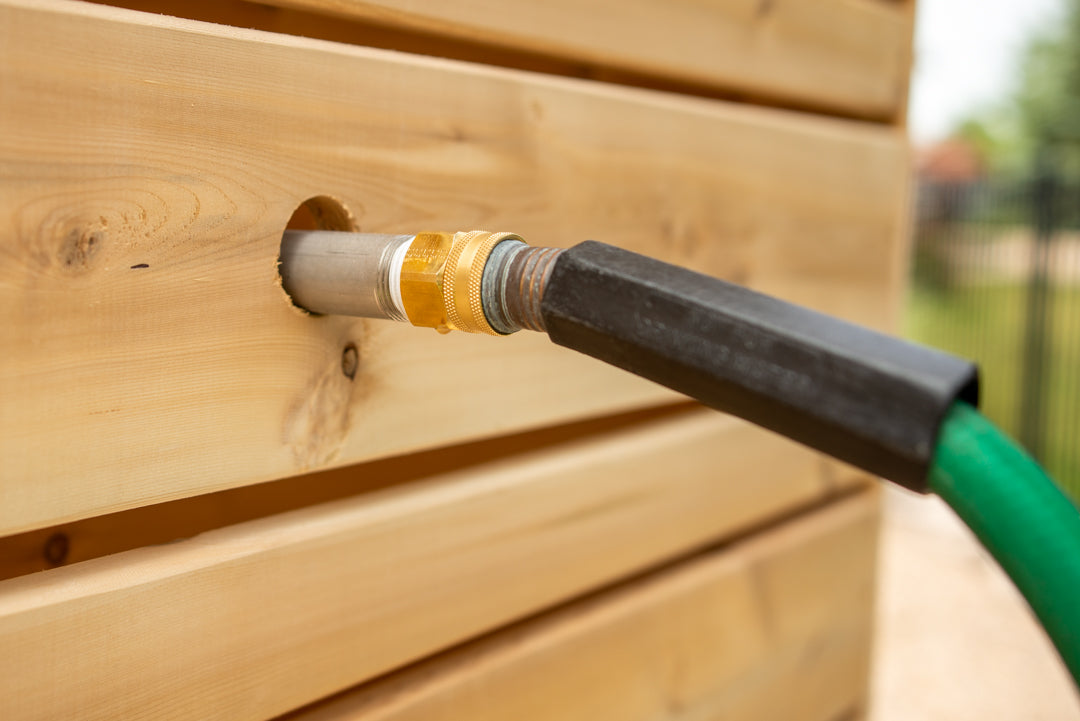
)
(329, 273)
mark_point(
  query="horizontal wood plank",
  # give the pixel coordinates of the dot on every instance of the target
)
(848, 57)
(725, 635)
(852, 55)
(149, 164)
(263, 617)
(87, 538)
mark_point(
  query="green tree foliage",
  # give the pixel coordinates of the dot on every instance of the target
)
(1048, 98)
(1043, 112)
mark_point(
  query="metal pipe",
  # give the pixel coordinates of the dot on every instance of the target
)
(334, 273)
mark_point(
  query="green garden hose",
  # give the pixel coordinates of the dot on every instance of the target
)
(1022, 518)
(868, 399)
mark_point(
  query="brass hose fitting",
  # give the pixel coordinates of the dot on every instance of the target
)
(441, 279)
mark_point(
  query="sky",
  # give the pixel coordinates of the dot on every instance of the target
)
(967, 53)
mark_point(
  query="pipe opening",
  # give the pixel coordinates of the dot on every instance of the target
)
(321, 212)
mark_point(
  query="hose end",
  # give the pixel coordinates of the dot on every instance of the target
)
(514, 283)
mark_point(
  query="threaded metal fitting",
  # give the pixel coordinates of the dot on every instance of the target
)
(513, 286)
(463, 279)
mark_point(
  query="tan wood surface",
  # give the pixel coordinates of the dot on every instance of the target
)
(774, 627)
(851, 55)
(82, 540)
(149, 164)
(259, 618)
(841, 56)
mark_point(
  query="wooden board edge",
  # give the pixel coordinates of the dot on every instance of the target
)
(707, 637)
(294, 607)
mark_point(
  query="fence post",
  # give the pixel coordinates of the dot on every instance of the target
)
(1036, 362)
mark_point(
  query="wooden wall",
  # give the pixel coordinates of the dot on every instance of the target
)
(203, 516)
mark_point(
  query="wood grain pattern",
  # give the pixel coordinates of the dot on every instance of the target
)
(259, 618)
(82, 540)
(149, 164)
(842, 56)
(774, 627)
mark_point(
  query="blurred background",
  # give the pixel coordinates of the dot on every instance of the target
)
(994, 117)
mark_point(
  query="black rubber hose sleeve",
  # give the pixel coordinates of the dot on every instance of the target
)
(861, 396)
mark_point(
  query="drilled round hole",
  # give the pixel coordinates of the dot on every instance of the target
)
(321, 212)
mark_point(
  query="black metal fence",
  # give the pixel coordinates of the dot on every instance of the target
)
(996, 278)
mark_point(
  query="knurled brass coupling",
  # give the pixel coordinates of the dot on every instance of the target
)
(442, 277)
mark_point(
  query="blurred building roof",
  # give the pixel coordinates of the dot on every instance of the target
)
(950, 161)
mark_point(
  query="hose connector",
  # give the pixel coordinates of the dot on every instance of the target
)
(473, 281)
(442, 278)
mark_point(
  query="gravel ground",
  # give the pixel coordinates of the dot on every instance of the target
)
(955, 641)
